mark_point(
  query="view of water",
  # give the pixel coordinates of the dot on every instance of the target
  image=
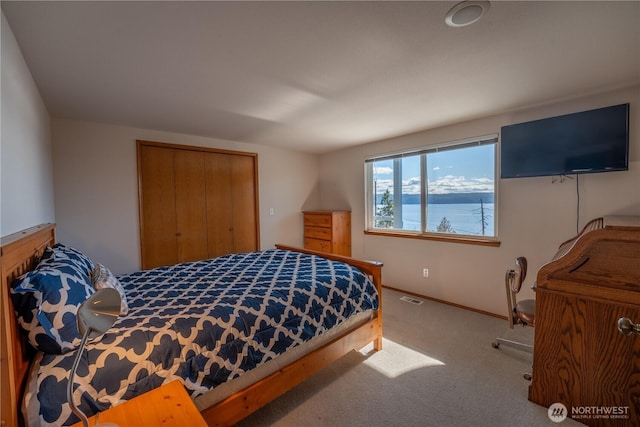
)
(465, 218)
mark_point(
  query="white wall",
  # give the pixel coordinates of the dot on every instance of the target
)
(535, 215)
(26, 174)
(95, 176)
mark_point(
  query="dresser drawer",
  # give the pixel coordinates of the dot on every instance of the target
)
(317, 245)
(317, 233)
(317, 220)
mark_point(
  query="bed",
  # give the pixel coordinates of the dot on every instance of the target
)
(226, 388)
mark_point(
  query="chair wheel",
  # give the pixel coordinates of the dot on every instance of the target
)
(495, 344)
(527, 376)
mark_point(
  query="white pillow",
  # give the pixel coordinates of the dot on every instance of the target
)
(101, 277)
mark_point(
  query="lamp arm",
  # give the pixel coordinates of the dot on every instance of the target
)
(74, 408)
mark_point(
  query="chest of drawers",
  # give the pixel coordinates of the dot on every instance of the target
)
(328, 231)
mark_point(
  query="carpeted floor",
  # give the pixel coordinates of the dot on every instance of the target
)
(437, 368)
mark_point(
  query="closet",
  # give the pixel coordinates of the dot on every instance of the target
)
(195, 203)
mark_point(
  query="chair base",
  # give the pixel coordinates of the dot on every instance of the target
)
(518, 345)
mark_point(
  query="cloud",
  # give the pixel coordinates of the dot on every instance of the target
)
(437, 168)
(411, 185)
(460, 184)
(383, 185)
(382, 170)
(443, 185)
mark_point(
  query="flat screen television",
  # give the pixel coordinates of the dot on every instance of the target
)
(585, 142)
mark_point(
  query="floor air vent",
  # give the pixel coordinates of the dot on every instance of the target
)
(411, 300)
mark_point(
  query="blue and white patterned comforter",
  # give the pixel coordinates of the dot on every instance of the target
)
(203, 323)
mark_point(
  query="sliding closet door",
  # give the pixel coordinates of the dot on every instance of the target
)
(158, 226)
(244, 203)
(191, 214)
(231, 203)
(219, 180)
(195, 203)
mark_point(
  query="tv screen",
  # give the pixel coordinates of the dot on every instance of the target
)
(585, 142)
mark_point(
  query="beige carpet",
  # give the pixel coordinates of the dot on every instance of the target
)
(437, 368)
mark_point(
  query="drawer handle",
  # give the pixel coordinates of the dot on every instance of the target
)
(626, 326)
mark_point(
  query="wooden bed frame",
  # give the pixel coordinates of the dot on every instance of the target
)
(20, 252)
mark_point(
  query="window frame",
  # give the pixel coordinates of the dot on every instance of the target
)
(370, 213)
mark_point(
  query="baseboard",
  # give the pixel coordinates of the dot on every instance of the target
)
(446, 302)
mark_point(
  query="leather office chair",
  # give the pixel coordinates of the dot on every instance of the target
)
(520, 312)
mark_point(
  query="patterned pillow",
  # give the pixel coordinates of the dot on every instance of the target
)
(46, 301)
(102, 277)
(60, 251)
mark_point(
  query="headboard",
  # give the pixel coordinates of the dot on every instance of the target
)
(19, 252)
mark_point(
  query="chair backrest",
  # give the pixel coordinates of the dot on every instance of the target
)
(514, 278)
(520, 274)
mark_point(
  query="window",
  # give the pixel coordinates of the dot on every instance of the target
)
(436, 191)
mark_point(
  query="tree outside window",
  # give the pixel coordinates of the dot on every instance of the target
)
(385, 211)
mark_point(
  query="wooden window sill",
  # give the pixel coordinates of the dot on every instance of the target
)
(467, 240)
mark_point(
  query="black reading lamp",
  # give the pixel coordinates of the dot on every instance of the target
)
(95, 316)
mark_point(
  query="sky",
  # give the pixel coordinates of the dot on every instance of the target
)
(467, 170)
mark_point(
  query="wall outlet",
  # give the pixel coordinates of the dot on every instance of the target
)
(425, 272)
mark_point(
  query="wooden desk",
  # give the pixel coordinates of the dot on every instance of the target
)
(580, 358)
(167, 406)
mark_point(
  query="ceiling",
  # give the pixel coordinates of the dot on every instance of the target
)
(317, 76)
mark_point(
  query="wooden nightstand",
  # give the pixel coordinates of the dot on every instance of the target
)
(166, 406)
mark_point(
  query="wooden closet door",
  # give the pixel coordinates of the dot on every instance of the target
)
(195, 203)
(244, 204)
(190, 205)
(231, 203)
(219, 210)
(158, 226)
